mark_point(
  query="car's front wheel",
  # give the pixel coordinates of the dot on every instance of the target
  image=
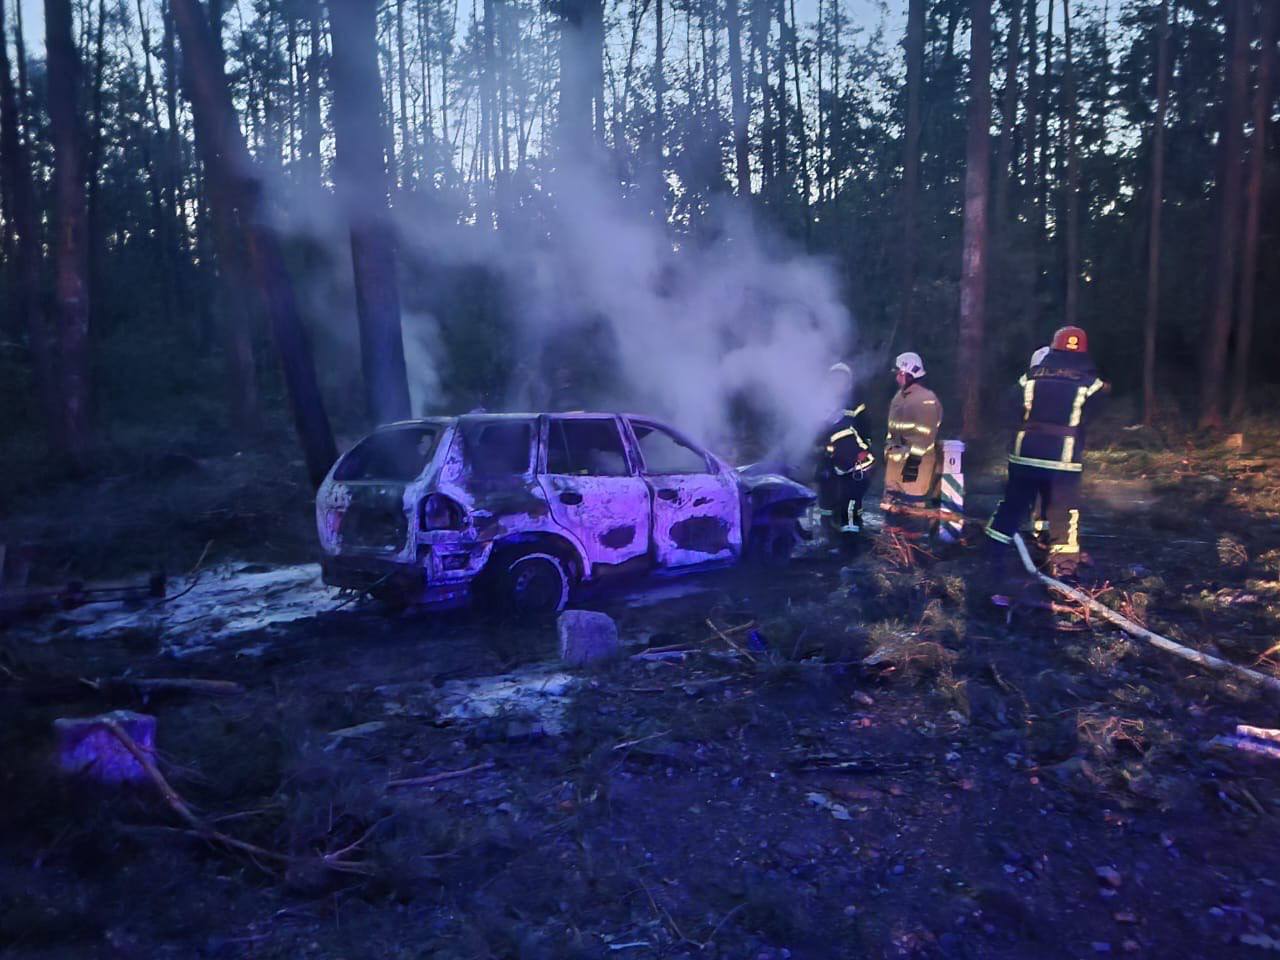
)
(532, 584)
(773, 543)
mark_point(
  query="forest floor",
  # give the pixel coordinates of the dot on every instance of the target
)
(902, 771)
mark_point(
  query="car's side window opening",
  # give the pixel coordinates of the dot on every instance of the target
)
(498, 448)
(663, 454)
(586, 448)
(399, 454)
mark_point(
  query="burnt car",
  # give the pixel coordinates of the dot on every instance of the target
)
(520, 509)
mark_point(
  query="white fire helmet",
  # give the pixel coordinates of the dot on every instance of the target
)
(841, 368)
(1037, 358)
(910, 364)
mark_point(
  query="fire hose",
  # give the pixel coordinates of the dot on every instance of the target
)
(1142, 633)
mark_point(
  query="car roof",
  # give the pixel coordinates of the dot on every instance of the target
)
(567, 414)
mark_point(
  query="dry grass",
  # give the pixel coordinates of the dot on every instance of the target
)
(1232, 553)
(902, 654)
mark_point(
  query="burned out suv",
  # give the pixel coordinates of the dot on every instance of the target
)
(521, 508)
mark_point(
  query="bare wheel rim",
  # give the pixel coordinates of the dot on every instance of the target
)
(536, 583)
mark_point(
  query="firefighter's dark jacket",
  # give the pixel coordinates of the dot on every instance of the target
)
(842, 441)
(1053, 406)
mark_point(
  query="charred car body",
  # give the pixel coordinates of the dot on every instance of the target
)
(521, 508)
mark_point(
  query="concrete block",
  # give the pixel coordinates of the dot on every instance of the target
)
(587, 637)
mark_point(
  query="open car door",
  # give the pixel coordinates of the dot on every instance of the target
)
(697, 512)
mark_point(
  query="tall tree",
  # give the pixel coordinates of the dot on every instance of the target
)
(71, 254)
(1071, 198)
(23, 232)
(581, 72)
(1009, 112)
(741, 153)
(977, 182)
(224, 149)
(1261, 119)
(1235, 95)
(361, 178)
(911, 161)
(1156, 191)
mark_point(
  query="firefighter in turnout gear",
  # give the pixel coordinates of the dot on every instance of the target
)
(911, 447)
(1057, 400)
(844, 458)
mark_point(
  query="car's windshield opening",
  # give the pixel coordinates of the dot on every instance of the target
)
(398, 454)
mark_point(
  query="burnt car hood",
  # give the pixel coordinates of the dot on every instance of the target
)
(766, 489)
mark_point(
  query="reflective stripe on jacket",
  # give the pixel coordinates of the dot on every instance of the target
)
(1058, 399)
(842, 442)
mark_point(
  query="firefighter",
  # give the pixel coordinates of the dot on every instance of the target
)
(1039, 521)
(910, 449)
(844, 457)
(1060, 397)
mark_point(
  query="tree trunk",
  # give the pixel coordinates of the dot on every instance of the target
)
(94, 158)
(806, 183)
(780, 67)
(1157, 207)
(741, 154)
(1072, 204)
(1009, 111)
(239, 193)
(71, 254)
(312, 124)
(760, 47)
(1032, 105)
(23, 300)
(361, 177)
(659, 83)
(581, 68)
(408, 172)
(1253, 210)
(977, 179)
(911, 164)
(1219, 332)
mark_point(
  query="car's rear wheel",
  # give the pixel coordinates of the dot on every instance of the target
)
(532, 584)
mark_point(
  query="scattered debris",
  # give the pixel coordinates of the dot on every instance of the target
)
(88, 746)
(822, 801)
(434, 778)
(1109, 876)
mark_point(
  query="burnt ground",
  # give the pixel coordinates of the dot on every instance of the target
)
(900, 772)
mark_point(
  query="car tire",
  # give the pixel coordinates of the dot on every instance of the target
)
(772, 544)
(532, 584)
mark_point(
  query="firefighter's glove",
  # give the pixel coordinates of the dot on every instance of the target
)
(911, 470)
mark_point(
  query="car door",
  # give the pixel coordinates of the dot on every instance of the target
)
(592, 487)
(697, 511)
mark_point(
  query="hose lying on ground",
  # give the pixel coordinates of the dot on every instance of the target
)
(1131, 628)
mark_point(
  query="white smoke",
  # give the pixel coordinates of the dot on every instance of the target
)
(690, 332)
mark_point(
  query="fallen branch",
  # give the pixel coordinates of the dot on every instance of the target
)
(1247, 745)
(213, 688)
(332, 861)
(725, 637)
(631, 743)
(1142, 633)
(438, 777)
(1258, 733)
